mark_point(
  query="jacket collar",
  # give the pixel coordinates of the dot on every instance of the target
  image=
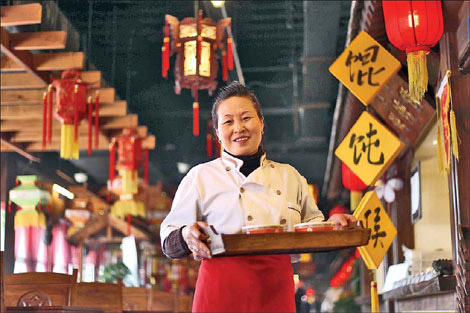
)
(232, 161)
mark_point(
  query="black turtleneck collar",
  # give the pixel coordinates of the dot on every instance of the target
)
(250, 162)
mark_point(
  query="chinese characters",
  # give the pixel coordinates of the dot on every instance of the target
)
(377, 234)
(365, 147)
(368, 56)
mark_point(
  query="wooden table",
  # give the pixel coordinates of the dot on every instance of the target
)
(52, 309)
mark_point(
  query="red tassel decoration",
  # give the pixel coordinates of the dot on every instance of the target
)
(112, 161)
(44, 119)
(39, 206)
(196, 118)
(108, 197)
(97, 119)
(9, 206)
(75, 113)
(128, 219)
(209, 145)
(224, 66)
(146, 166)
(49, 118)
(166, 51)
(133, 159)
(90, 123)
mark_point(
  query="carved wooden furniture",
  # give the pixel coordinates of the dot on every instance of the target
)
(106, 296)
(40, 289)
(136, 298)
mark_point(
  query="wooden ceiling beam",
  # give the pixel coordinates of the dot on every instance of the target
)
(35, 96)
(148, 142)
(141, 132)
(22, 59)
(25, 14)
(8, 146)
(55, 145)
(32, 135)
(34, 111)
(24, 80)
(128, 121)
(56, 61)
(38, 40)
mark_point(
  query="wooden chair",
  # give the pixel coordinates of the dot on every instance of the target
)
(40, 289)
(136, 299)
(164, 301)
(106, 296)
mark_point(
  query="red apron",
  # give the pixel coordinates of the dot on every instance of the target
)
(262, 283)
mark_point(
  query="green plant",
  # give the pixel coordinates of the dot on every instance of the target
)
(346, 305)
(115, 271)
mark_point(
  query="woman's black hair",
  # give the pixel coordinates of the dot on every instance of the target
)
(234, 89)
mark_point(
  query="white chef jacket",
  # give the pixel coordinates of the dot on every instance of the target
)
(219, 194)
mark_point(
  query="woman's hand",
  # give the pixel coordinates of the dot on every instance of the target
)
(342, 219)
(193, 236)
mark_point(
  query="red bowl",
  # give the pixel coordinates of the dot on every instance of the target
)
(314, 226)
(262, 229)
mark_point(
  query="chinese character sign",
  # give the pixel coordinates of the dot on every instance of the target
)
(369, 148)
(364, 67)
(373, 216)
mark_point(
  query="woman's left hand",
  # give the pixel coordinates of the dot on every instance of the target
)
(342, 219)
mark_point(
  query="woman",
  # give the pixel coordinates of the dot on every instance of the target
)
(240, 188)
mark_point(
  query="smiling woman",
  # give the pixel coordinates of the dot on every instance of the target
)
(241, 188)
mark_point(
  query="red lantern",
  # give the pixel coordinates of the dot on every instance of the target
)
(71, 107)
(414, 26)
(195, 41)
(352, 183)
(129, 148)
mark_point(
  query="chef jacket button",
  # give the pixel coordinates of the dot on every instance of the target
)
(272, 165)
(249, 217)
(278, 192)
(283, 221)
(242, 189)
(227, 168)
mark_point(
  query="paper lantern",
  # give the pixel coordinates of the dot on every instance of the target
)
(195, 41)
(415, 27)
(352, 183)
(129, 148)
(71, 107)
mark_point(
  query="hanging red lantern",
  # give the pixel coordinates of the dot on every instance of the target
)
(352, 183)
(129, 149)
(414, 26)
(71, 107)
(195, 41)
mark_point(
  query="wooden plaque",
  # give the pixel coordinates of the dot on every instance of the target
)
(407, 118)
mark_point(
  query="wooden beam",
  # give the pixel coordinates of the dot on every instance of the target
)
(38, 40)
(23, 59)
(55, 145)
(34, 111)
(128, 121)
(149, 142)
(141, 132)
(57, 61)
(35, 135)
(35, 96)
(8, 146)
(24, 80)
(24, 14)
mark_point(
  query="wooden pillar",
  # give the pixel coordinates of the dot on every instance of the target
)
(8, 176)
(459, 174)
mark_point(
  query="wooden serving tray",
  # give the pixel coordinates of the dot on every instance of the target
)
(294, 242)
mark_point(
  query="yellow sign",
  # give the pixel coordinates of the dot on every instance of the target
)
(369, 148)
(364, 67)
(374, 217)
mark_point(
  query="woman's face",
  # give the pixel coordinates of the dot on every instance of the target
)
(239, 127)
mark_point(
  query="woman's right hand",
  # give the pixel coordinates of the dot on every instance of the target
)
(193, 236)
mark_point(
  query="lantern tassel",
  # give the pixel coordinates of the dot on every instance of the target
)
(229, 54)
(9, 206)
(90, 124)
(97, 119)
(68, 146)
(129, 184)
(44, 119)
(39, 206)
(454, 135)
(49, 117)
(166, 51)
(112, 161)
(224, 66)
(209, 145)
(75, 113)
(440, 152)
(146, 166)
(196, 118)
(417, 74)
